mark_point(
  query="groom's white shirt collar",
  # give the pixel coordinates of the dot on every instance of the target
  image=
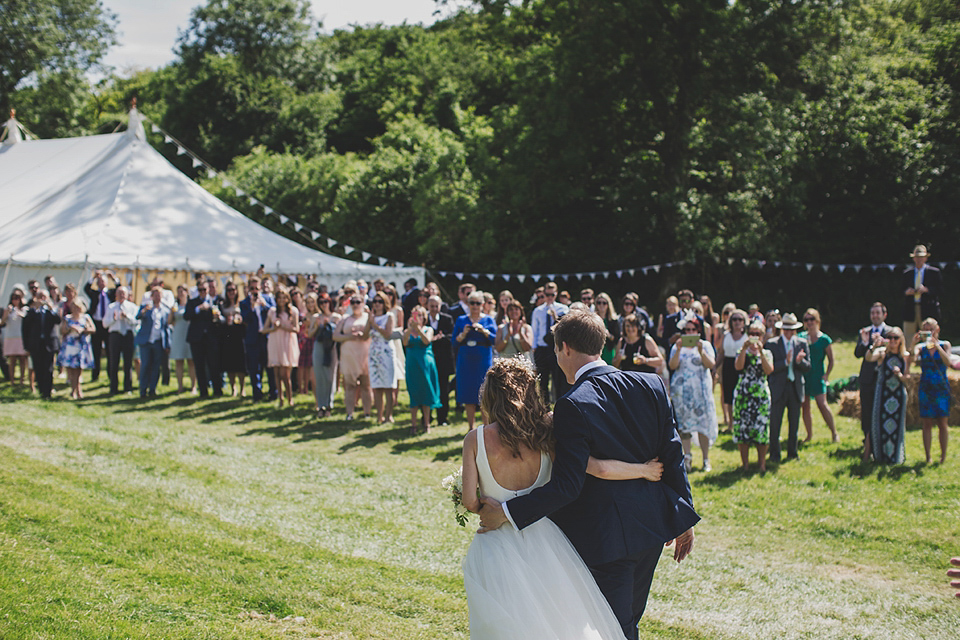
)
(582, 370)
(587, 367)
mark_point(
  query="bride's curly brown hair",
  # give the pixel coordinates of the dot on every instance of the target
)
(510, 397)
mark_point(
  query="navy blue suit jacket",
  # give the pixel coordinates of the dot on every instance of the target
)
(622, 415)
(252, 334)
(146, 325)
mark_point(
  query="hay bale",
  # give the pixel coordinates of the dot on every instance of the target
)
(850, 400)
(850, 404)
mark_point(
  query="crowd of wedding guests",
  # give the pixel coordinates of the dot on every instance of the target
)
(278, 341)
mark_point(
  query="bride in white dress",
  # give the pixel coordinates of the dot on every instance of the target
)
(531, 584)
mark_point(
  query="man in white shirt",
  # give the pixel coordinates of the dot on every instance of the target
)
(542, 320)
(120, 321)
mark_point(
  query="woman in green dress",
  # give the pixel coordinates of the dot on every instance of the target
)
(815, 380)
(423, 383)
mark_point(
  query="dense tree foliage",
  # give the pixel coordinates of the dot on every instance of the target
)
(561, 135)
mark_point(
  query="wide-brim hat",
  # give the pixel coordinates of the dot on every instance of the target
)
(919, 251)
(789, 322)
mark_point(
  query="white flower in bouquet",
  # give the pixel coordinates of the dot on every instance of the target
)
(454, 484)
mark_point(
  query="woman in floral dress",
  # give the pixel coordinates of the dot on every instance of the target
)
(383, 370)
(692, 392)
(76, 347)
(751, 397)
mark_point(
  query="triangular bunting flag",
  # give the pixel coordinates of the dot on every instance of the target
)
(521, 277)
(366, 256)
(211, 173)
(240, 192)
(841, 267)
(809, 267)
(825, 267)
(297, 226)
(892, 267)
(777, 264)
(348, 249)
(284, 219)
(314, 235)
(196, 163)
(857, 267)
(632, 272)
(154, 128)
(442, 274)
(656, 268)
(382, 261)
(167, 139)
(180, 150)
(252, 201)
(459, 276)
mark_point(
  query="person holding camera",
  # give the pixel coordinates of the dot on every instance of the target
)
(751, 397)
(933, 393)
(692, 360)
(888, 423)
(870, 337)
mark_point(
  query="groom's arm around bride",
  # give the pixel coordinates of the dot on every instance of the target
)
(618, 527)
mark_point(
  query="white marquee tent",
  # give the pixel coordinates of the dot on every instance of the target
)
(71, 205)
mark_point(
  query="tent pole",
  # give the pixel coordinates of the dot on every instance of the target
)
(6, 272)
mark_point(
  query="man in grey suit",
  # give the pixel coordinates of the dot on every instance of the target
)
(791, 359)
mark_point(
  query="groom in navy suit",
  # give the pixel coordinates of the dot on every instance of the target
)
(618, 527)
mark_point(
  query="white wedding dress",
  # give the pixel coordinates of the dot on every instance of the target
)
(530, 584)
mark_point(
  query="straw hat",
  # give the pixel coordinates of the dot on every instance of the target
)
(919, 251)
(789, 322)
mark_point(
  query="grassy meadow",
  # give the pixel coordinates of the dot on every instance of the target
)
(176, 518)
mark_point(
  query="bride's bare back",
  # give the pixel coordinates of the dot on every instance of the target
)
(513, 473)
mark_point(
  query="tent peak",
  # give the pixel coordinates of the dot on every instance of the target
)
(135, 122)
(11, 130)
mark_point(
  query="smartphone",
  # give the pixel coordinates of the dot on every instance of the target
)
(925, 335)
(753, 340)
(689, 340)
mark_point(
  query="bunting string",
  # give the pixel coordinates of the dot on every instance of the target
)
(325, 243)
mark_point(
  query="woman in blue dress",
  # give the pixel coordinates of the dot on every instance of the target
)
(933, 355)
(475, 335)
(76, 346)
(888, 426)
(423, 381)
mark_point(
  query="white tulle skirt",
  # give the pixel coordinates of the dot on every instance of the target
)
(532, 584)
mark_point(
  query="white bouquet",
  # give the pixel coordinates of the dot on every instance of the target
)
(454, 484)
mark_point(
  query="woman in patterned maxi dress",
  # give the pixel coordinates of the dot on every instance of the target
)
(890, 402)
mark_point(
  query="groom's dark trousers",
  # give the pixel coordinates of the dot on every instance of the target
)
(618, 527)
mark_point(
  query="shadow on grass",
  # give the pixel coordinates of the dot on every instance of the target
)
(730, 477)
(884, 471)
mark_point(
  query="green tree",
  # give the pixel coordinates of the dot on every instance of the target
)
(265, 35)
(57, 38)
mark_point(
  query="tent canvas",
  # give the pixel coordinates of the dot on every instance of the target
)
(73, 204)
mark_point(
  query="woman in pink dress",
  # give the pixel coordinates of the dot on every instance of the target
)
(283, 352)
(305, 341)
(11, 322)
(354, 356)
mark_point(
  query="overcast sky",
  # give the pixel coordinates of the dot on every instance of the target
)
(148, 28)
